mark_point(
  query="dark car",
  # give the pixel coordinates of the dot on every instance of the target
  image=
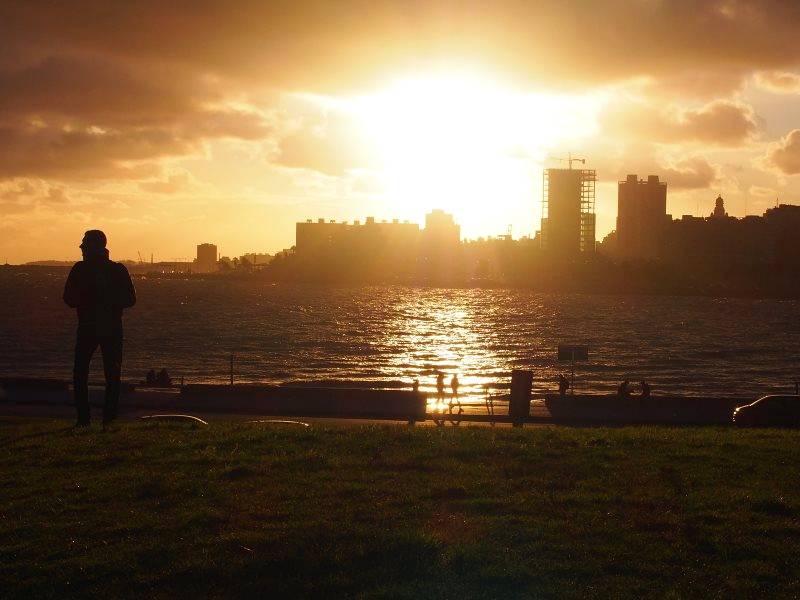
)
(769, 411)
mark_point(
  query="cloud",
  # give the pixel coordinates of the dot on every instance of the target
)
(695, 84)
(690, 173)
(785, 154)
(100, 91)
(720, 122)
(778, 82)
(329, 141)
(325, 46)
(614, 162)
(25, 195)
(173, 183)
(85, 117)
(85, 153)
(761, 192)
(130, 152)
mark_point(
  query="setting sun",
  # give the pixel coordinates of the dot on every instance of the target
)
(468, 144)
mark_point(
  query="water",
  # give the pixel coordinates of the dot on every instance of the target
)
(282, 333)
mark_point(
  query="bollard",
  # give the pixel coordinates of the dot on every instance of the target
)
(519, 406)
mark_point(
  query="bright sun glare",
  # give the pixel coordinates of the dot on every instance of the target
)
(468, 144)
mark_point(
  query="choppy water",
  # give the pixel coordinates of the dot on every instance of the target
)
(394, 334)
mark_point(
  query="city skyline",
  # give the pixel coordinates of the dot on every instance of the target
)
(257, 129)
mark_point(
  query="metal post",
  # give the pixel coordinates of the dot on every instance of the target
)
(572, 381)
(231, 368)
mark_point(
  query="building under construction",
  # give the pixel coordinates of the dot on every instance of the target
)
(568, 219)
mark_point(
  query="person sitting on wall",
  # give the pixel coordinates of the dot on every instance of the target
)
(163, 379)
(624, 390)
(645, 390)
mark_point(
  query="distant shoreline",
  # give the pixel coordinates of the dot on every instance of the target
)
(633, 287)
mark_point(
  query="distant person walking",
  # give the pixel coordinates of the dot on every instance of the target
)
(99, 289)
(440, 386)
(454, 384)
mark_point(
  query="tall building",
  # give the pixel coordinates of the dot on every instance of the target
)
(206, 261)
(313, 237)
(568, 219)
(441, 229)
(641, 217)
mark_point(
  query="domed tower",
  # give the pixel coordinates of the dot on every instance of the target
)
(719, 209)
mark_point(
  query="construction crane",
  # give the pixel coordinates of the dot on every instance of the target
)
(569, 160)
(141, 262)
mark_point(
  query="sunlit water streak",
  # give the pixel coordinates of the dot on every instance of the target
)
(394, 334)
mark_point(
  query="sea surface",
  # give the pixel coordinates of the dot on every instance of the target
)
(392, 335)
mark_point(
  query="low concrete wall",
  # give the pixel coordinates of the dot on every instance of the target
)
(695, 410)
(303, 401)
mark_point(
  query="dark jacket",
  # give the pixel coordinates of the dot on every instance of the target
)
(99, 288)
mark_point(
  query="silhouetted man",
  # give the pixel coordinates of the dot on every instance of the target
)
(99, 288)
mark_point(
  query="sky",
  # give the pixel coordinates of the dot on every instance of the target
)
(169, 124)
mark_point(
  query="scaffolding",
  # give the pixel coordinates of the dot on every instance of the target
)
(588, 180)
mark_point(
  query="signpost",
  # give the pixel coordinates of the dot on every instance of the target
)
(571, 353)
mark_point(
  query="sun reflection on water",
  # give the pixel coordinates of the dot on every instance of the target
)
(439, 332)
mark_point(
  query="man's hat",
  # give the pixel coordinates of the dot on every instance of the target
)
(94, 238)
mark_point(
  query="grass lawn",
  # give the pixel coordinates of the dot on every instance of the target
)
(166, 510)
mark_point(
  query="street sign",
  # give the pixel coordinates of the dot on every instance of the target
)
(572, 352)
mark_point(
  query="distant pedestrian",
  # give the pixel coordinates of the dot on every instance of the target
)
(563, 385)
(645, 390)
(624, 390)
(440, 386)
(415, 386)
(99, 289)
(454, 384)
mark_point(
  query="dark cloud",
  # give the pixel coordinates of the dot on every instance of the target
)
(785, 155)
(320, 45)
(720, 122)
(85, 117)
(99, 91)
(46, 152)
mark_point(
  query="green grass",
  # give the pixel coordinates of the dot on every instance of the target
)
(148, 510)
